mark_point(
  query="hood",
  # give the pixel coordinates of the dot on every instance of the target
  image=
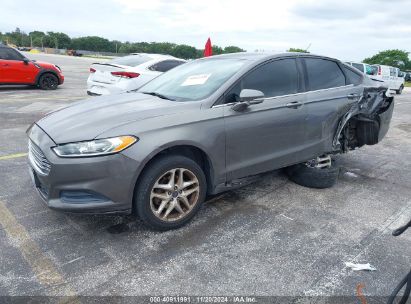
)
(45, 65)
(86, 119)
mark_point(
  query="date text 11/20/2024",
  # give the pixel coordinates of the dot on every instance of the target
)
(203, 299)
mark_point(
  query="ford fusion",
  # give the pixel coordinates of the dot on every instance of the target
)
(202, 128)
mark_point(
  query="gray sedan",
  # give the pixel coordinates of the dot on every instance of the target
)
(203, 128)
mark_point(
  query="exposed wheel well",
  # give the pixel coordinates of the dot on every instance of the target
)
(359, 131)
(44, 73)
(192, 152)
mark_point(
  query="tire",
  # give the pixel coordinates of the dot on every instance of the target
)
(153, 183)
(48, 81)
(400, 90)
(310, 177)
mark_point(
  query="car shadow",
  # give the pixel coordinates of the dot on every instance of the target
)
(130, 224)
(17, 88)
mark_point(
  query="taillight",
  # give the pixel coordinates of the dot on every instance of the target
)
(379, 70)
(92, 70)
(125, 74)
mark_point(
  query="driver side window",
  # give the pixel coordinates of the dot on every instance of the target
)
(10, 54)
(276, 78)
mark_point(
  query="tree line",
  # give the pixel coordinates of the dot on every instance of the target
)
(99, 44)
(395, 58)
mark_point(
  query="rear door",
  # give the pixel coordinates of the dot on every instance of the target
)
(14, 70)
(329, 97)
(271, 134)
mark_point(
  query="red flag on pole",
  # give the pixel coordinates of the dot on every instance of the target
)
(208, 50)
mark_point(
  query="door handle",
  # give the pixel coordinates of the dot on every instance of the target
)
(353, 96)
(5, 64)
(294, 104)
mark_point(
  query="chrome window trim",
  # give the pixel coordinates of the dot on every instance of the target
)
(289, 95)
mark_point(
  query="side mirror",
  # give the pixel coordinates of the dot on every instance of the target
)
(248, 95)
(247, 98)
(26, 61)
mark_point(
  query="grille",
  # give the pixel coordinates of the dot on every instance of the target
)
(38, 160)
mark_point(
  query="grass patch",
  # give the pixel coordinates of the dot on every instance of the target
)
(407, 84)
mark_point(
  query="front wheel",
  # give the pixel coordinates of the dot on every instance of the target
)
(170, 192)
(48, 81)
(399, 91)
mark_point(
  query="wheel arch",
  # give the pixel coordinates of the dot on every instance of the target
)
(46, 71)
(186, 149)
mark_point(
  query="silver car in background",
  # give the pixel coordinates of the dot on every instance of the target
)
(202, 128)
(128, 73)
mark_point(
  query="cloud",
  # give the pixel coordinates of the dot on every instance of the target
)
(348, 29)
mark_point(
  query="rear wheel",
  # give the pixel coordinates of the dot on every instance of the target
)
(170, 192)
(319, 173)
(48, 81)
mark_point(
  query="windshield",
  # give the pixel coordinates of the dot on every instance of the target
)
(194, 80)
(132, 60)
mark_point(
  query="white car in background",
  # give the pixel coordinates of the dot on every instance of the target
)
(364, 67)
(392, 76)
(128, 73)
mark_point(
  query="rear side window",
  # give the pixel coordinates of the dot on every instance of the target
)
(132, 60)
(352, 77)
(10, 54)
(323, 74)
(359, 66)
(164, 66)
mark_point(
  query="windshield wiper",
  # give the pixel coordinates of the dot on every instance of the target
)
(158, 95)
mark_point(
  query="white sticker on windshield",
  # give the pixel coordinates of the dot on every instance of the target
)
(196, 80)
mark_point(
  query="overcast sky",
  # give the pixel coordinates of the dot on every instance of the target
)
(346, 29)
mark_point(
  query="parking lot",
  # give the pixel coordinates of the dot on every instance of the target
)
(270, 238)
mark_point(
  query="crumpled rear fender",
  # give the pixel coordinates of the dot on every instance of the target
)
(374, 105)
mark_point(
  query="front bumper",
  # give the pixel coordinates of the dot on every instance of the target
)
(102, 184)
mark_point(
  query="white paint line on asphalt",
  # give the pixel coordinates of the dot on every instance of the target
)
(42, 266)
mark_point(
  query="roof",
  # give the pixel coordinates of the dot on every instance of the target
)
(264, 56)
(154, 56)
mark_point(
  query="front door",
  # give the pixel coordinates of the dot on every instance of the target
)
(14, 70)
(271, 134)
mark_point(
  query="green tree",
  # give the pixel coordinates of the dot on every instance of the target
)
(37, 38)
(396, 58)
(217, 50)
(57, 40)
(232, 49)
(297, 50)
(92, 43)
(184, 51)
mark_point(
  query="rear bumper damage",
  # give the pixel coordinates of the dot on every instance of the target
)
(367, 121)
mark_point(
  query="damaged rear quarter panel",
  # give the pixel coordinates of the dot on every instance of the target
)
(371, 106)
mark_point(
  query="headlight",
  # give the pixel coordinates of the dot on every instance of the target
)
(95, 147)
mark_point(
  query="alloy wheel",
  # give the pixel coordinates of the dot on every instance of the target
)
(48, 82)
(174, 194)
